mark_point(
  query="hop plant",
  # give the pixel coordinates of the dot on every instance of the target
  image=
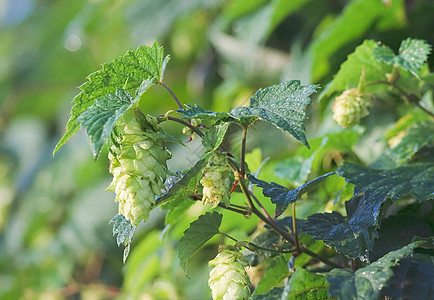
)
(138, 164)
(216, 181)
(228, 279)
(350, 107)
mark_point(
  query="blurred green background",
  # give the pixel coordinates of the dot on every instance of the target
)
(55, 236)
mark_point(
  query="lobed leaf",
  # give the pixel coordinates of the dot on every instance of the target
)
(128, 72)
(100, 118)
(354, 235)
(412, 54)
(282, 196)
(349, 72)
(389, 276)
(199, 232)
(283, 105)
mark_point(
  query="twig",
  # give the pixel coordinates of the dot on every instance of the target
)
(192, 127)
(294, 229)
(172, 93)
(243, 152)
(411, 98)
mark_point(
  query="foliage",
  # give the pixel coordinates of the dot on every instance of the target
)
(367, 230)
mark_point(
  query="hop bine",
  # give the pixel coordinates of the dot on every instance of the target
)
(228, 279)
(138, 164)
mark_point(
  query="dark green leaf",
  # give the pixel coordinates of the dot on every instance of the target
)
(214, 136)
(420, 135)
(307, 286)
(282, 196)
(126, 72)
(385, 277)
(354, 236)
(275, 273)
(415, 180)
(100, 118)
(396, 232)
(199, 232)
(283, 105)
(411, 56)
(274, 294)
(124, 231)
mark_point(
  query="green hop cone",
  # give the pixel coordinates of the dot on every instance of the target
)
(138, 164)
(350, 107)
(216, 181)
(228, 279)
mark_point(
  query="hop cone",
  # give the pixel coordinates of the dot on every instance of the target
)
(350, 107)
(228, 280)
(138, 164)
(216, 181)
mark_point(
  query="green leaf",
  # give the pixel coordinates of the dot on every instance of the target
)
(411, 56)
(199, 232)
(125, 231)
(282, 196)
(183, 188)
(275, 273)
(420, 135)
(283, 105)
(308, 286)
(196, 112)
(214, 136)
(387, 277)
(126, 72)
(349, 73)
(100, 118)
(354, 236)
(358, 17)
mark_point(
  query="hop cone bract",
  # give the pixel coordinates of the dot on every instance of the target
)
(138, 164)
(216, 181)
(228, 279)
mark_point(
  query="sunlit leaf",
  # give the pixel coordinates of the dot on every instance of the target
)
(126, 72)
(283, 105)
(100, 118)
(411, 56)
(199, 232)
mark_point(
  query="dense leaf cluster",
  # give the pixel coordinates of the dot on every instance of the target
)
(290, 247)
